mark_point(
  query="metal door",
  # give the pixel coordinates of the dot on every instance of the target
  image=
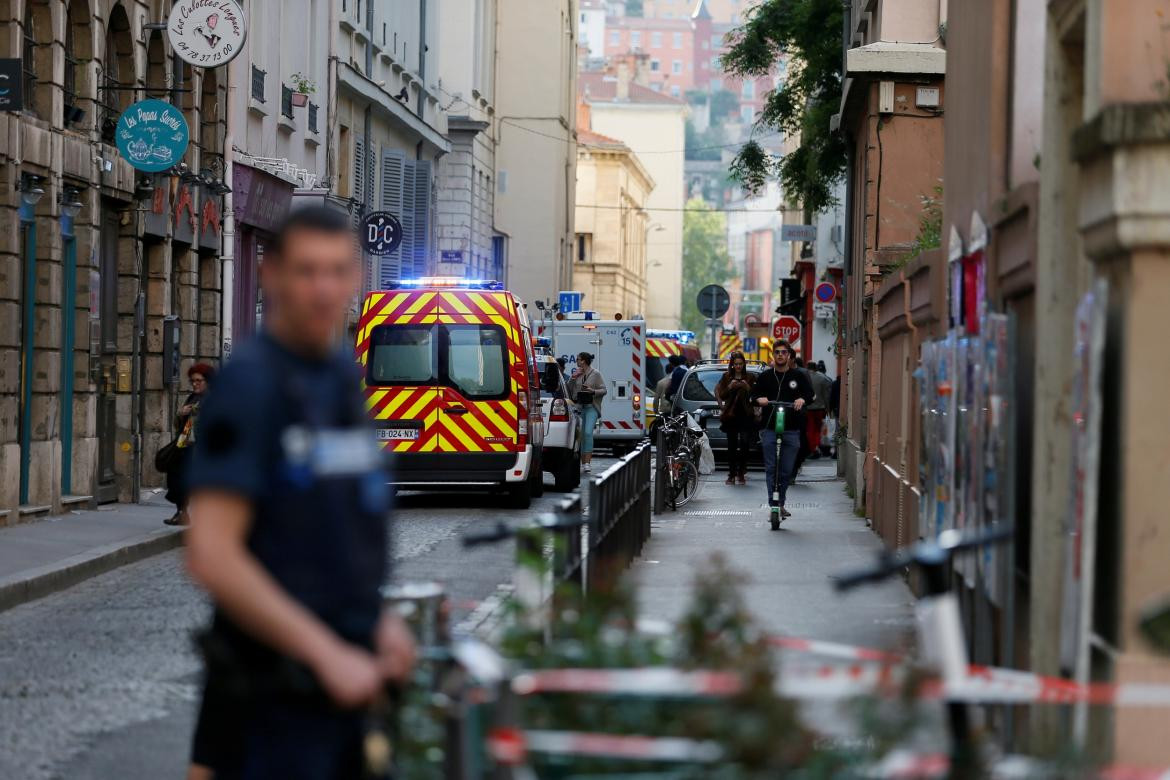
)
(106, 486)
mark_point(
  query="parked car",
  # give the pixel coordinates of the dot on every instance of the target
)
(450, 382)
(697, 396)
(562, 424)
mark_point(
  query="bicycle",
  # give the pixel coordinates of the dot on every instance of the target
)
(680, 466)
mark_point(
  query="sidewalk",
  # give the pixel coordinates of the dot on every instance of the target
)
(48, 555)
(791, 589)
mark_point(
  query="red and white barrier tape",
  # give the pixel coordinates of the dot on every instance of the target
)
(985, 685)
(512, 746)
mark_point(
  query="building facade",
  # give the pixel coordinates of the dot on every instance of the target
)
(278, 124)
(609, 264)
(468, 243)
(643, 119)
(389, 124)
(892, 119)
(536, 148)
(99, 262)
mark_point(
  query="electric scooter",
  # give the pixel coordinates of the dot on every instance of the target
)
(774, 511)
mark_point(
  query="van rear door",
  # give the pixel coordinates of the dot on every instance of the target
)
(481, 361)
(398, 348)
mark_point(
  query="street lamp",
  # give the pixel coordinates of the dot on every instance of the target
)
(31, 189)
(70, 200)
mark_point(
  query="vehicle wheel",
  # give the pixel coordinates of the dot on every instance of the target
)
(537, 478)
(568, 476)
(520, 494)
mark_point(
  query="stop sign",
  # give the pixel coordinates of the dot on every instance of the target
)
(787, 328)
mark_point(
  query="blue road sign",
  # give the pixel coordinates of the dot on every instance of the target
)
(570, 301)
(751, 345)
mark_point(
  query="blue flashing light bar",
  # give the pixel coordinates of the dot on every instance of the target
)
(447, 281)
(543, 341)
(681, 336)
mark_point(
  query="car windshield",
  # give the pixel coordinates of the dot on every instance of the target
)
(700, 385)
(550, 379)
(473, 359)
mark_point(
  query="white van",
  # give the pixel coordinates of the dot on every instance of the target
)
(619, 347)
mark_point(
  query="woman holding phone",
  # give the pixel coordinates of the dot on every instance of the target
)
(586, 387)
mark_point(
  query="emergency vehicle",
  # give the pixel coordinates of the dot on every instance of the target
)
(658, 352)
(619, 347)
(449, 377)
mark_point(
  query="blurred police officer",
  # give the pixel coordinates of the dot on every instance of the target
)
(289, 507)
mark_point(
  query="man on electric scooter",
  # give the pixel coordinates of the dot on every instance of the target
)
(782, 383)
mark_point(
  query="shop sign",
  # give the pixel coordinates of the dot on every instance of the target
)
(184, 214)
(260, 199)
(381, 233)
(157, 215)
(152, 135)
(207, 33)
(210, 221)
(11, 84)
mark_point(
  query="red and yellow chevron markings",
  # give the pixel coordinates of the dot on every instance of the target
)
(485, 426)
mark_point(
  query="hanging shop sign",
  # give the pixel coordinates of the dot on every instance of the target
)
(381, 233)
(207, 33)
(11, 84)
(152, 135)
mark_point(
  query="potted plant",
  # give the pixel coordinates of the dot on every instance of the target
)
(302, 88)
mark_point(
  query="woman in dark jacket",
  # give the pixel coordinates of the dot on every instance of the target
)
(738, 421)
(199, 375)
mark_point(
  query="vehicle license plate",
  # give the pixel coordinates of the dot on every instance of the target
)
(397, 434)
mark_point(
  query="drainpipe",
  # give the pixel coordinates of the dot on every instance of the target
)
(228, 255)
(29, 225)
(68, 317)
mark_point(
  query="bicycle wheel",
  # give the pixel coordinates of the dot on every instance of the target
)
(686, 482)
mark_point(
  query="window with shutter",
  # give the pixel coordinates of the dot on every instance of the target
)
(393, 182)
(424, 207)
(407, 251)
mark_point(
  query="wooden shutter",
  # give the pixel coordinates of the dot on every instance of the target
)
(393, 184)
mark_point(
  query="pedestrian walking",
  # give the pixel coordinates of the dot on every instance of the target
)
(676, 378)
(178, 457)
(586, 387)
(662, 400)
(736, 417)
(805, 449)
(822, 386)
(289, 512)
(782, 382)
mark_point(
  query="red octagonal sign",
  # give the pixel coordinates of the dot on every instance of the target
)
(787, 328)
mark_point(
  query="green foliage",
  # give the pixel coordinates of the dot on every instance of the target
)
(808, 34)
(929, 229)
(705, 257)
(724, 103)
(760, 733)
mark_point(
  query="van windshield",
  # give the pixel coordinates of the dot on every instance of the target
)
(472, 359)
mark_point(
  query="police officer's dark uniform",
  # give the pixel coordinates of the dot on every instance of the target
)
(289, 433)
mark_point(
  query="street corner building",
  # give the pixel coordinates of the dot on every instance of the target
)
(109, 277)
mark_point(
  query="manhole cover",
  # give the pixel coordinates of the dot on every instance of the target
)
(718, 512)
